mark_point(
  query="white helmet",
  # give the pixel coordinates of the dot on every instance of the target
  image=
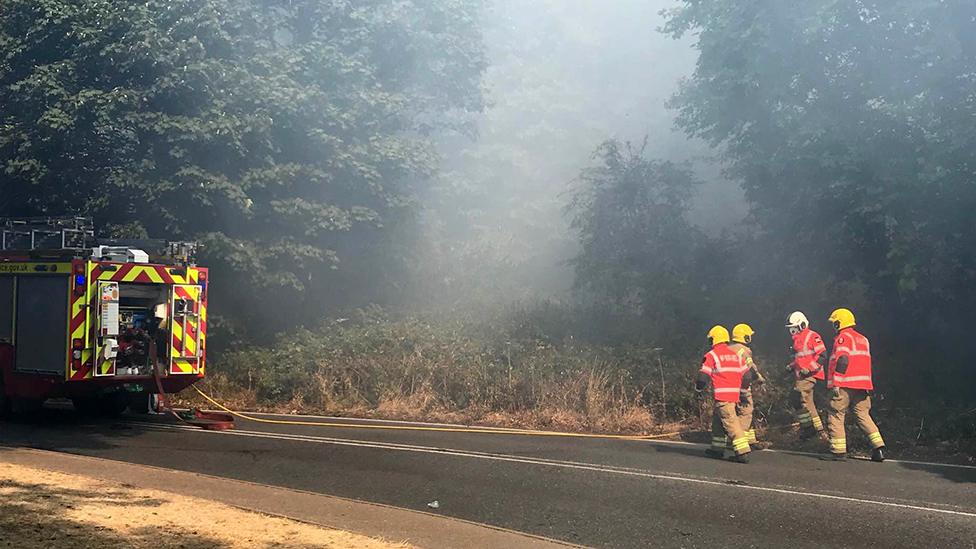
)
(797, 322)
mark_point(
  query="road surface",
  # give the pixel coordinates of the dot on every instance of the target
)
(592, 492)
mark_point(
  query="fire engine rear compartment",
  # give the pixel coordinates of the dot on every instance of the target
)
(34, 317)
(142, 315)
(33, 313)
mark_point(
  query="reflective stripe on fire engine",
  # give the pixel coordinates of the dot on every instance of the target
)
(78, 329)
(188, 339)
(148, 274)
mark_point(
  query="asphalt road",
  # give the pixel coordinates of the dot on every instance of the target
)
(594, 492)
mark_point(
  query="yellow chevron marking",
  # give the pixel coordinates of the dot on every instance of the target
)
(154, 275)
(133, 274)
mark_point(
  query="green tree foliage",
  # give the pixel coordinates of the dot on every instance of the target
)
(638, 249)
(850, 127)
(290, 137)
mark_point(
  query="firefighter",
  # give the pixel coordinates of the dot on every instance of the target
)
(741, 339)
(849, 379)
(807, 366)
(723, 367)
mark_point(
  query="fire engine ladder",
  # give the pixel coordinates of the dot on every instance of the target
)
(26, 234)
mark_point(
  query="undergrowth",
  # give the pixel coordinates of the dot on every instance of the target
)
(516, 374)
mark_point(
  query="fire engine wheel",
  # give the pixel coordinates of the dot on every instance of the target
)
(113, 404)
(139, 403)
(87, 406)
(4, 401)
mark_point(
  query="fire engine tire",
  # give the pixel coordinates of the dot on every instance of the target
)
(139, 403)
(86, 406)
(5, 408)
(114, 404)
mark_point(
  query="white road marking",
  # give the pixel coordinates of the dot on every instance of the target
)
(927, 463)
(566, 464)
(661, 442)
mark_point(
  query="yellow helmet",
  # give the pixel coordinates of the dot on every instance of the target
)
(841, 318)
(742, 333)
(718, 334)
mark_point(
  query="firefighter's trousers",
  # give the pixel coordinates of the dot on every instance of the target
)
(860, 402)
(727, 430)
(806, 409)
(744, 409)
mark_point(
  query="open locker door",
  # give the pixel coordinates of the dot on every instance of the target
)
(185, 351)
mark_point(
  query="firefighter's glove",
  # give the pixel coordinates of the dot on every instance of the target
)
(701, 382)
(835, 392)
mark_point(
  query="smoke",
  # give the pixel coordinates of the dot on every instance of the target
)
(563, 77)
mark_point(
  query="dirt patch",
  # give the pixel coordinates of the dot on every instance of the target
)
(40, 509)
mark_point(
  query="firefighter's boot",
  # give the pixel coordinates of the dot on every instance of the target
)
(878, 454)
(740, 458)
(714, 454)
(834, 457)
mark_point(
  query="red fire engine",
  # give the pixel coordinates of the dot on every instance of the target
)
(101, 322)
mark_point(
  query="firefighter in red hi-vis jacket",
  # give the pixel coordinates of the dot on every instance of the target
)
(741, 341)
(725, 370)
(808, 364)
(849, 378)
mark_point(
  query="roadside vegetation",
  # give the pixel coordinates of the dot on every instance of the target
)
(516, 372)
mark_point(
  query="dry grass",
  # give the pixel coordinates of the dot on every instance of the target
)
(414, 370)
(41, 509)
(575, 407)
(437, 371)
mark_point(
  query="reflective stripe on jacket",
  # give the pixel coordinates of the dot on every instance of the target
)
(857, 349)
(807, 348)
(725, 369)
(745, 355)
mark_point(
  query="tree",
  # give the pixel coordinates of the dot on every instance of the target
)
(291, 138)
(639, 252)
(849, 126)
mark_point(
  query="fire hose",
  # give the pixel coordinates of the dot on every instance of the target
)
(211, 421)
(444, 429)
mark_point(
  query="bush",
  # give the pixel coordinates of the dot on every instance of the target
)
(415, 367)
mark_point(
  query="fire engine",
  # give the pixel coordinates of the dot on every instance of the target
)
(105, 323)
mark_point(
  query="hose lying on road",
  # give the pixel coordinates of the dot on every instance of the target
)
(481, 430)
(211, 421)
